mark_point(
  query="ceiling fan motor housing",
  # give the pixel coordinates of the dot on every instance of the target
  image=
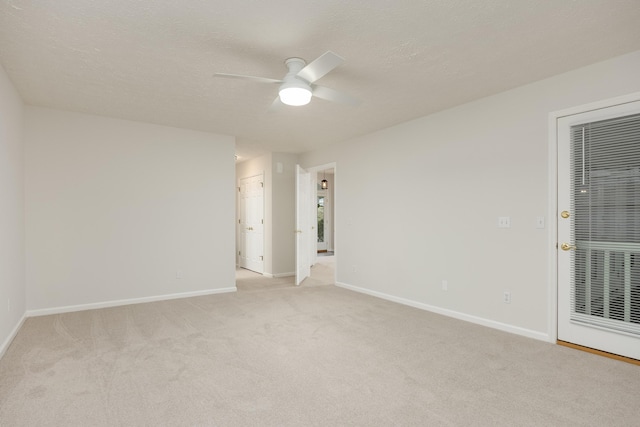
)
(294, 90)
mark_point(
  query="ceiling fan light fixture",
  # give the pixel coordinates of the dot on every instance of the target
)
(295, 94)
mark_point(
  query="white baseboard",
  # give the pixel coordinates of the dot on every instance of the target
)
(12, 335)
(116, 303)
(278, 275)
(284, 274)
(450, 313)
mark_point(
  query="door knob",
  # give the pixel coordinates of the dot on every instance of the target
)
(565, 214)
(567, 247)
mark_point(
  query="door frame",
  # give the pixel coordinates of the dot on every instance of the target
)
(552, 212)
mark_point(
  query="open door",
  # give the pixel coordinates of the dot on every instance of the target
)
(303, 224)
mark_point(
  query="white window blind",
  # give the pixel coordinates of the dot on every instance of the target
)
(605, 188)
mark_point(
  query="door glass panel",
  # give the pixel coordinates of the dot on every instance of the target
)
(605, 192)
(320, 219)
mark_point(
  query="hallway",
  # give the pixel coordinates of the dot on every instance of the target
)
(322, 273)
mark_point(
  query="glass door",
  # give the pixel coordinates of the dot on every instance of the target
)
(599, 230)
(322, 243)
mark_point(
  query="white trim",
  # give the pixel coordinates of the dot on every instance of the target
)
(277, 275)
(450, 313)
(552, 230)
(598, 105)
(116, 303)
(552, 262)
(12, 335)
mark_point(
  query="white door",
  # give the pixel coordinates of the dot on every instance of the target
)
(599, 229)
(303, 224)
(251, 223)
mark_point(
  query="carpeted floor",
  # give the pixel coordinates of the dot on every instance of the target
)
(314, 355)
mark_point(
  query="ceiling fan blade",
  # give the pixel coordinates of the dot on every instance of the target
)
(321, 66)
(254, 78)
(335, 96)
(275, 105)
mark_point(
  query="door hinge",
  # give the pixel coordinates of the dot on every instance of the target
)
(262, 184)
(239, 253)
(261, 258)
(238, 189)
(262, 221)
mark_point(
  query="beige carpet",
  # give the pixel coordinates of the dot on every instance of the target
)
(300, 356)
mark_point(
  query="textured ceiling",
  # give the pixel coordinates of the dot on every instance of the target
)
(153, 60)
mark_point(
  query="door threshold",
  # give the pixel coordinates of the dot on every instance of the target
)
(599, 352)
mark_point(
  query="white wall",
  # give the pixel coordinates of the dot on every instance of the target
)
(418, 203)
(115, 208)
(284, 213)
(12, 261)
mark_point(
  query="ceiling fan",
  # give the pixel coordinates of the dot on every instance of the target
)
(297, 86)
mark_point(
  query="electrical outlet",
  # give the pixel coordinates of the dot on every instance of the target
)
(504, 222)
(445, 285)
(506, 297)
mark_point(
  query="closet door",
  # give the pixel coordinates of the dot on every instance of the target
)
(251, 223)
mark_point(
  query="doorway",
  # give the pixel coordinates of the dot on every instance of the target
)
(314, 177)
(321, 206)
(598, 228)
(324, 211)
